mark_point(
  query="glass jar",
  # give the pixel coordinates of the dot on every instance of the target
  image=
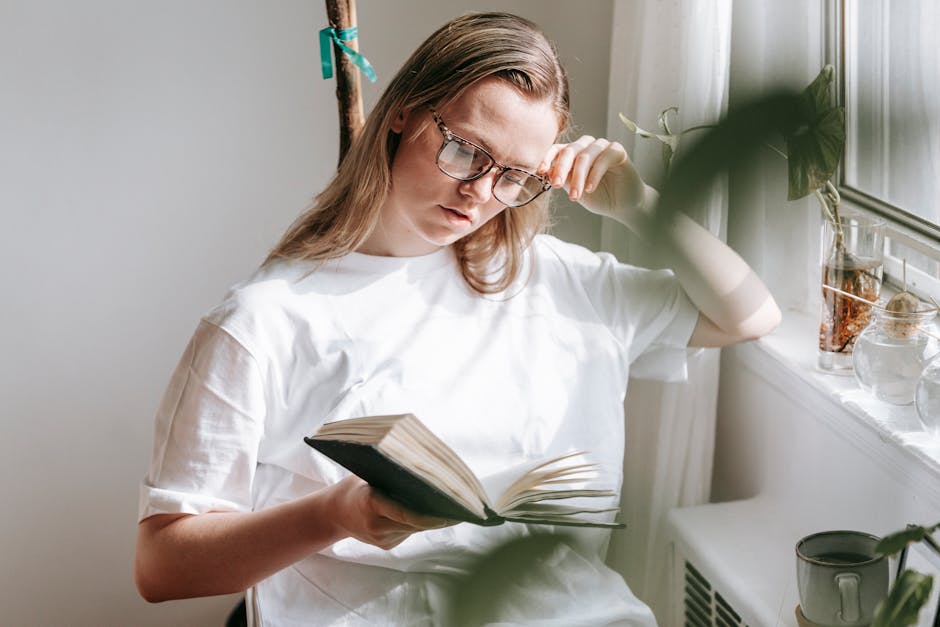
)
(890, 354)
(927, 397)
(852, 255)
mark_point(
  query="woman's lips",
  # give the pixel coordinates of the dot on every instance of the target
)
(455, 214)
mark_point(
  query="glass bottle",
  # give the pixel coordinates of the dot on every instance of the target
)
(891, 352)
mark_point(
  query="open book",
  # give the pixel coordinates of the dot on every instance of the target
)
(401, 457)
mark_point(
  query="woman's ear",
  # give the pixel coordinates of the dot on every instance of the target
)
(398, 124)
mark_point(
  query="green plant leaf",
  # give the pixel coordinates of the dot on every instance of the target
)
(492, 577)
(667, 157)
(902, 606)
(894, 542)
(816, 95)
(664, 119)
(729, 145)
(670, 140)
(815, 143)
(631, 125)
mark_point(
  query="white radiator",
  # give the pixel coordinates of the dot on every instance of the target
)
(733, 565)
(702, 604)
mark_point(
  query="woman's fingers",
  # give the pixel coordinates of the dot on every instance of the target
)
(592, 164)
(392, 523)
(408, 519)
(558, 162)
(370, 517)
(611, 157)
(581, 165)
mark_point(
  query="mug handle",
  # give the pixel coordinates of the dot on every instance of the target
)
(848, 593)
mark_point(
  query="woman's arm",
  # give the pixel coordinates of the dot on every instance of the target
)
(183, 555)
(733, 302)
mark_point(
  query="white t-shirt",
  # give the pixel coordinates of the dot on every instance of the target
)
(502, 379)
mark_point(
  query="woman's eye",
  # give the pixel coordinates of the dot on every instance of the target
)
(516, 178)
(467, 152)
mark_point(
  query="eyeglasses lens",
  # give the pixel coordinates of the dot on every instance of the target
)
(465, 162)
(462, 161)
(516, 188)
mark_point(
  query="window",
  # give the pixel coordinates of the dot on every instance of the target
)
(890, 69)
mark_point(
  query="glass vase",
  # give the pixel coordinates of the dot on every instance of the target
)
(927, 397)
(891, 352)
(852, 257)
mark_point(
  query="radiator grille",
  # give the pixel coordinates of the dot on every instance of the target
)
(704, 606)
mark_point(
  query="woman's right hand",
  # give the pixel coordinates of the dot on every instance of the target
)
(362, 513)
(597, 173)
(188, 555)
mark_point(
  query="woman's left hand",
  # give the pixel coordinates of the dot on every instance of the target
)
(597, 173)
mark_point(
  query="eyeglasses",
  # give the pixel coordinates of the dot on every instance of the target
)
(463, 160)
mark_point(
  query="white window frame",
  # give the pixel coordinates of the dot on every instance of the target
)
(903, 228)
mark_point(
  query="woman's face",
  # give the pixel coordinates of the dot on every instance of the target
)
(427, 209)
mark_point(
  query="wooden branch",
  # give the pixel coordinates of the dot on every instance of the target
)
(342, 14)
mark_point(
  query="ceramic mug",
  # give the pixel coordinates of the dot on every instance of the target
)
(841, 579)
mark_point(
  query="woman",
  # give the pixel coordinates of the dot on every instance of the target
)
(419, 283)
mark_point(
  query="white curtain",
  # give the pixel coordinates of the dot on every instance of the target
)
(666, 53)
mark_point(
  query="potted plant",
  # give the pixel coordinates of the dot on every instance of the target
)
(911, 589)
(851, 255)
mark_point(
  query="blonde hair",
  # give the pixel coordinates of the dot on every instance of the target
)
(461, 53)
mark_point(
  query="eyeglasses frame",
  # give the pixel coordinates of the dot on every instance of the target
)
(450, 136)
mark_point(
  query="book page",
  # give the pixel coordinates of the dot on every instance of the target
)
(515, 493)
(566, 476)
(437, 464)
(549, 510)
(447, 456)
(367, 430)
(497, 483)
(405, 439)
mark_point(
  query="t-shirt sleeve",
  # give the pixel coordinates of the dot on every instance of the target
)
(207, 430)
(655, 317)
(647, 311)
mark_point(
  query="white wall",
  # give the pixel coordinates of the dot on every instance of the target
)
(150, 154)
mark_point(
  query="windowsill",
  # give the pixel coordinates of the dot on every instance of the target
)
(792, 347)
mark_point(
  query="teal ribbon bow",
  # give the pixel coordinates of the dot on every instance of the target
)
(330, 35)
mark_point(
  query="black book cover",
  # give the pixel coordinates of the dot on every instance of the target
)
(396, 481)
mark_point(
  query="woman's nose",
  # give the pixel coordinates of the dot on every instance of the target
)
(481, 189)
